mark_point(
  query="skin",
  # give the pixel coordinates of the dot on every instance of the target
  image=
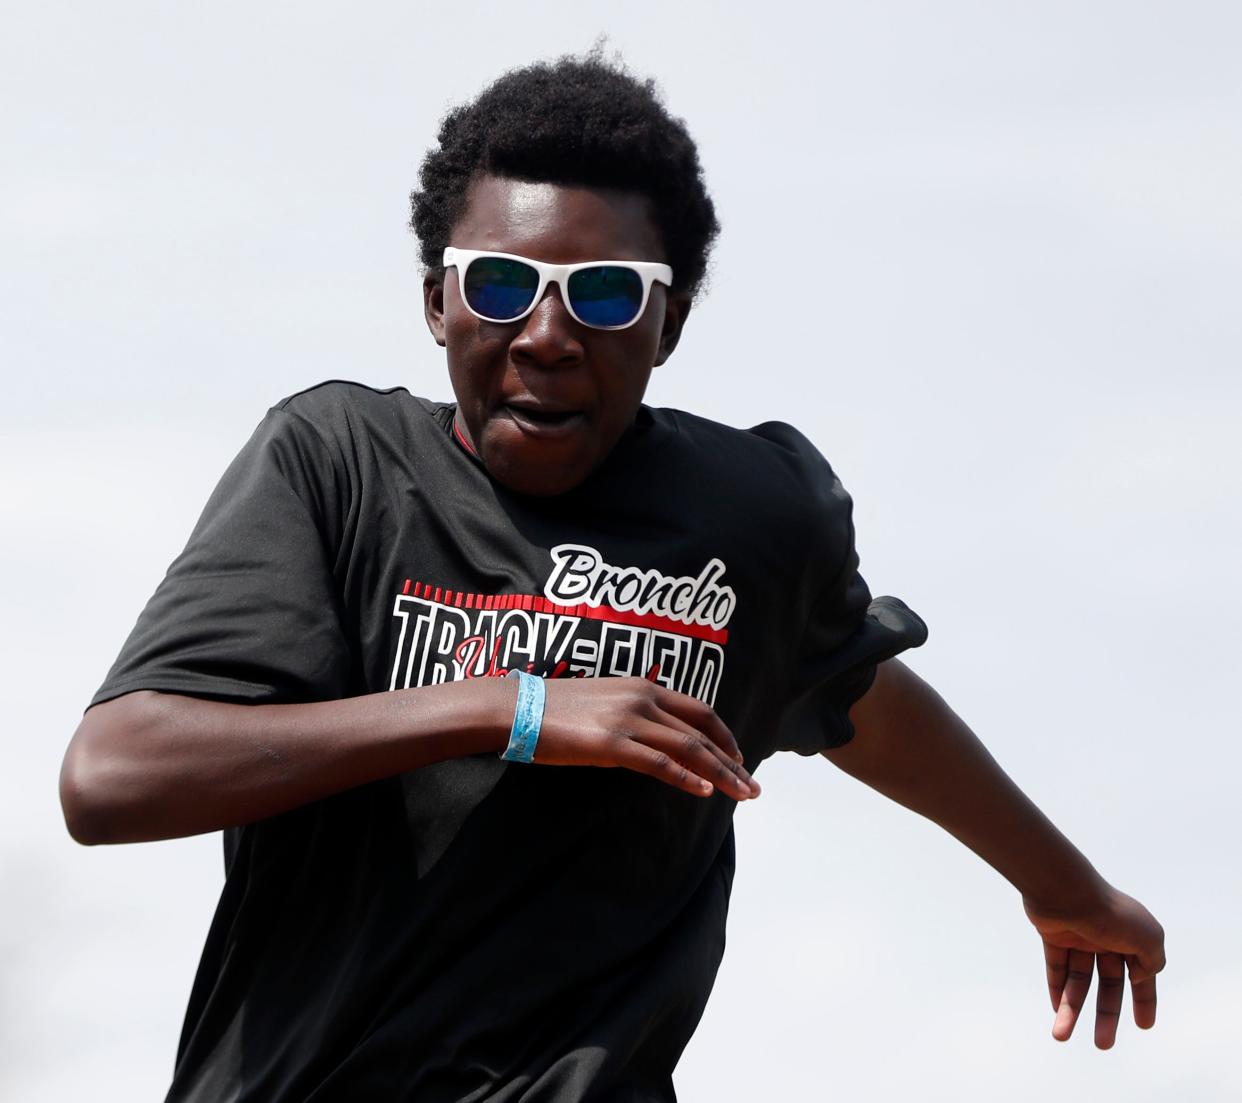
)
(910, 746)
(548, 365)
(133, 760)
(543, 401)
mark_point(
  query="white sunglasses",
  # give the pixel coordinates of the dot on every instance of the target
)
(602, 294)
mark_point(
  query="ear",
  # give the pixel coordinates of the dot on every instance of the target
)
(433, 306)
(676, 310)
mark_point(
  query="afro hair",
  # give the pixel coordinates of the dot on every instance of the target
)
(579, 122)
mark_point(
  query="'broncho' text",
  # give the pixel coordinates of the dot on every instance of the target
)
(579, 574)
(592, 620)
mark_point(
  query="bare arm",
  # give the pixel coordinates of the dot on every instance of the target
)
(155, 766)
(151, 766)
(914, 749)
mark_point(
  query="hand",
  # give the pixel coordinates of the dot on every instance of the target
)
(1115, 935)
(642, 726)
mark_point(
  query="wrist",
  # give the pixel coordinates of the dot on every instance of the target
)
(1067, 887)
(527, 717)
(473, 716)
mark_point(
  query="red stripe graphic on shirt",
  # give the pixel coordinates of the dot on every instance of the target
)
(540, 604)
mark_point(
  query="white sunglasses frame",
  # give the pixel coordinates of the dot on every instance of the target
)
(648, 271)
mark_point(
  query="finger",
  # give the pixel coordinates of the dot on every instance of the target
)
(1079, 970)
(729, 773)
(1149, 959)
(1055, 966)
(663, 767)
(701, 717)
(697, 754)
(1142, 995)
(1108, 998)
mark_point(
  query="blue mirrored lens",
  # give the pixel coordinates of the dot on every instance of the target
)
(499, 288)
(606, 295)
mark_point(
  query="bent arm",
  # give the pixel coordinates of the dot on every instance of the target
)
(910, 746)
(149, 766)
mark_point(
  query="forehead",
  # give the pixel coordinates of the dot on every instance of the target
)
(557, 223)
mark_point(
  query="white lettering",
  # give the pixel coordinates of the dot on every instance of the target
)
(572, 571)
(579, 574)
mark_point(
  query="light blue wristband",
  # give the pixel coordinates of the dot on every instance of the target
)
(527, 717)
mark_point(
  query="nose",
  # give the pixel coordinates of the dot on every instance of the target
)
(549, 335)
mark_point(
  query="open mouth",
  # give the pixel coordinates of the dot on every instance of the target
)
(542, 419)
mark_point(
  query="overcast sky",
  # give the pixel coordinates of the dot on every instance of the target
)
(987, 256)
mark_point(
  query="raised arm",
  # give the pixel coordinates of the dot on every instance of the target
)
(148, 766)
(910, 746)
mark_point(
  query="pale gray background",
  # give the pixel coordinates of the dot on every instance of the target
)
(1024, 224)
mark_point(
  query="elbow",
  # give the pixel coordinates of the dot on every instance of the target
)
(94, 788)
(78, 799)
(83, 793)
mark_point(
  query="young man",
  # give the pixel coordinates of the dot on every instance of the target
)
(407, 914)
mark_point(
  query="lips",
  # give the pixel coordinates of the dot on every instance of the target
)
(544, 419)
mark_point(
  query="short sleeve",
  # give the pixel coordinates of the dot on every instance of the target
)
(847, 634)
(249, 611)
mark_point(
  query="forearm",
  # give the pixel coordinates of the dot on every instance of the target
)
(149, 766)
(910, 746)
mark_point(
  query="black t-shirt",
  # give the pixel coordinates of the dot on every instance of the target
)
(479, 930)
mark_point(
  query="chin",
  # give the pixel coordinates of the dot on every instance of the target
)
(538, 479)
(540, 468)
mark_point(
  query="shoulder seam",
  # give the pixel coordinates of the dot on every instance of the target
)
(343, 382)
